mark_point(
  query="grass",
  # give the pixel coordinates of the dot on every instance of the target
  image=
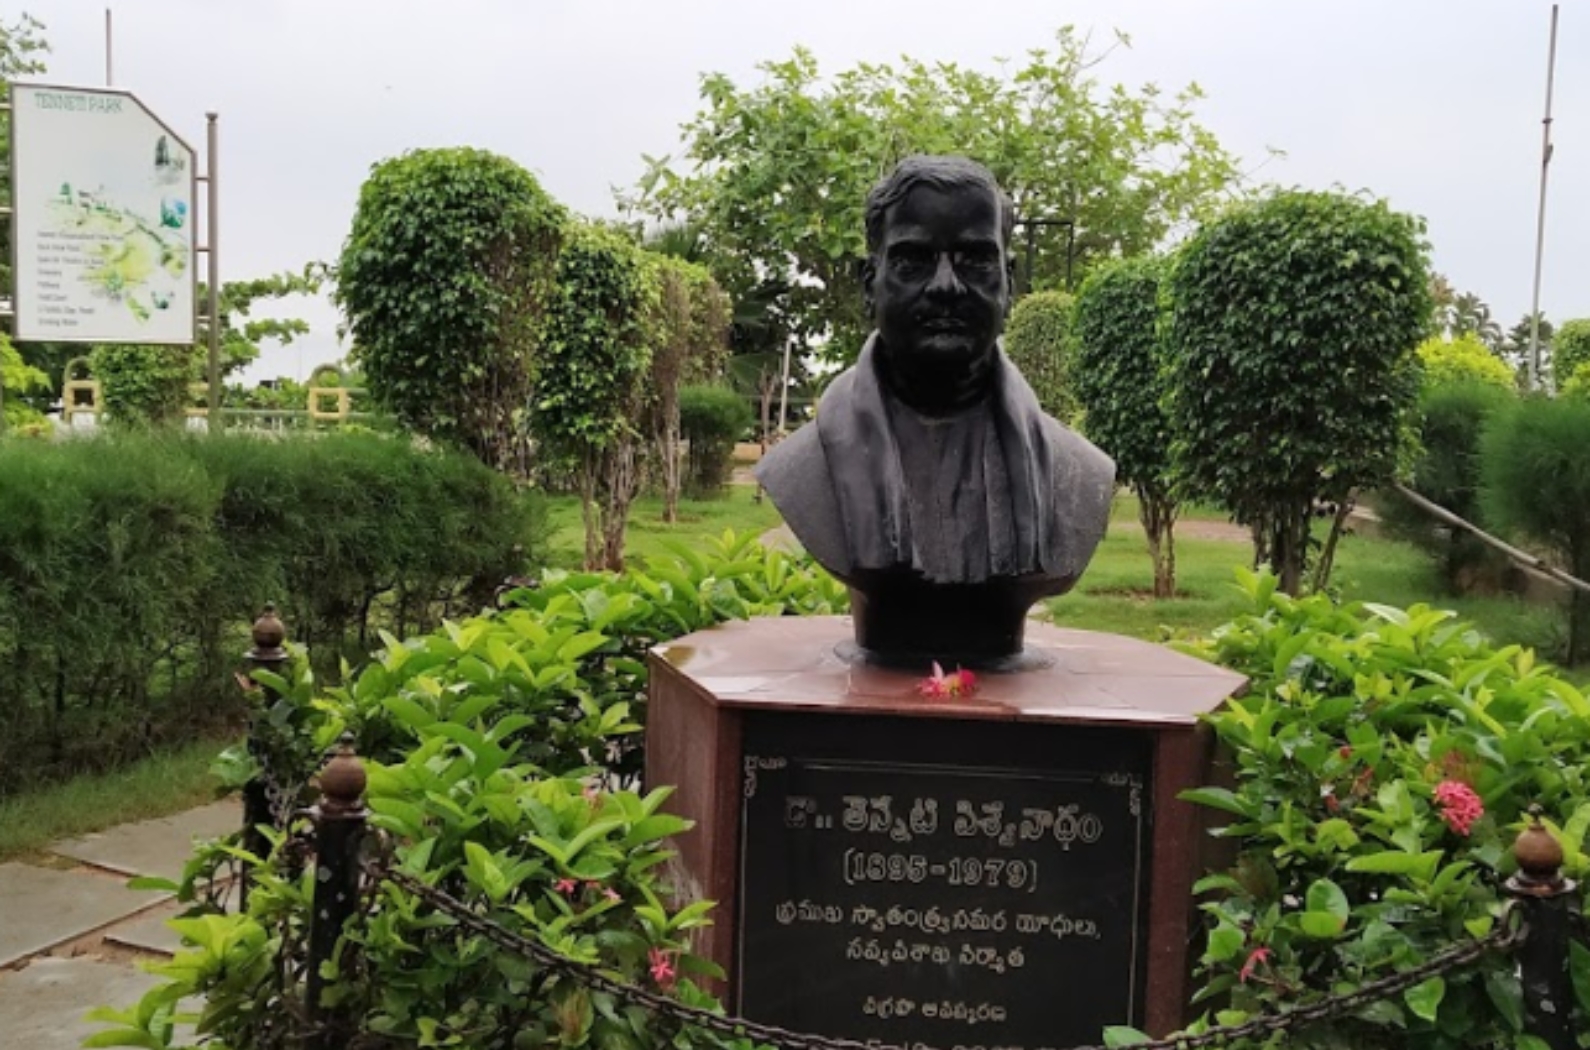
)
(648, 533)
(164, 783)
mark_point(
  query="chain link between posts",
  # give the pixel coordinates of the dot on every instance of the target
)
(1505, 936)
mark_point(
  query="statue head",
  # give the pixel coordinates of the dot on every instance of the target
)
(939, 272)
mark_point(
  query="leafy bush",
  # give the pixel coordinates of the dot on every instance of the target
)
(130, 564)
(1535, 484)
(487, 744)
(1570, 349)
(1577, 385)
(1464, 359)
(1120, 381)
(712, 419)
(145, 385)
(1292, 355)
(1039, 340)
(1360, 750)
(1452, 417)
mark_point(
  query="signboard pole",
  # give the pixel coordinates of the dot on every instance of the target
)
(212, 194)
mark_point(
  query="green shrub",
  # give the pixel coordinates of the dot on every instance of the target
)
(1039, 340)
(145, 385)
(1360, 725)
(1464, 359)
(486, 742)
(712, 419)
(1452, 417)
(1570, 349)
(130, 565)
(1535, 485)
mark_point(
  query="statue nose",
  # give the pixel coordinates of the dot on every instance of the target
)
(945, 280)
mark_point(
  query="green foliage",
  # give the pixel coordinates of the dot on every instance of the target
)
(1536, 486)
(1577, 383)
(487, 742)
(778, 173)
(241, 334)
(1350, 865)
(712, 419)
(1570, 350)
(1292, 361)
(593, 377)
(1120, 370)
(445, 279)
(17, 377)
(1464, 359)
(145, 386)
(130, 567)
(1452, 416)
(1038, 338)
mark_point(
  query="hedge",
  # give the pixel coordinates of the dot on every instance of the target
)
(131, 565)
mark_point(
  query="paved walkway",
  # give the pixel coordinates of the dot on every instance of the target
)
(72, 934)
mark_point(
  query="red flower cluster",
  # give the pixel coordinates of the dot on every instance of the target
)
(661, 968)
(940, 686)
(1460, 806)
(1256, 958)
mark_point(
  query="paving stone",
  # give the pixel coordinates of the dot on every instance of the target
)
(41, 907)
(149, 931)
(42, 1005)
(154, 847)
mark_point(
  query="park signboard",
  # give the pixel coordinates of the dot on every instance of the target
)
(103, 224)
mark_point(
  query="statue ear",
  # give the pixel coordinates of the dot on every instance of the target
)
(866, 272)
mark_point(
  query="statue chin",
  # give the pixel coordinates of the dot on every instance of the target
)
(902, 619)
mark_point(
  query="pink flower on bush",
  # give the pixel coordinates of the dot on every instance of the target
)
(940, 686)
(1256, 958)
(567, 887)
(661, 968)
(1460, 807)
(612, 895)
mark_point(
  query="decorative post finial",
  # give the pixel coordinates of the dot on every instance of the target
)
(268, 634)
(342, 780)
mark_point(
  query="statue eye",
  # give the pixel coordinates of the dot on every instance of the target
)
(910, 259)
(981, 259)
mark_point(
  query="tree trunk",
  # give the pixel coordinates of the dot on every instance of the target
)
(670, 458)
(1327, 558)
(590, 513)
(619, 485)
(1157, 513)
(1290, 549)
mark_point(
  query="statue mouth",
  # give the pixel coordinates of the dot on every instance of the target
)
(944, 324)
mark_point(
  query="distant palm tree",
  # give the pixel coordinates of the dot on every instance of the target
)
(1471, 316)
(681, 240)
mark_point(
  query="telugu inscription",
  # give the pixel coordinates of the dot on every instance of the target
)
(911, 903)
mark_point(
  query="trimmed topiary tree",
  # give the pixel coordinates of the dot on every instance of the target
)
(1039, 340)
(1535, 484)
(1120, 385)
(690, 331)
(446, 278)
(1292, 363)
(593, 378)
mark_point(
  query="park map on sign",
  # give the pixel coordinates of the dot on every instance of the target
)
(128, 258)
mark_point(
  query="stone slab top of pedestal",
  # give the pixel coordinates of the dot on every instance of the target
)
(1085, 677)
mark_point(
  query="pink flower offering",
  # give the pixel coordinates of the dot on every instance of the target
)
(661, 968)
(941, 686)
(1460, 807)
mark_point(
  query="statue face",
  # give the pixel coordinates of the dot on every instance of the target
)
(940, 285)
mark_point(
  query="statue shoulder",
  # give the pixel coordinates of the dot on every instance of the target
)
(795, 473)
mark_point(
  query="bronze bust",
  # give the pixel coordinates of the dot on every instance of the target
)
(931, 482)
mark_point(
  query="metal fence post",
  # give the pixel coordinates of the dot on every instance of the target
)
(1544, 897)
(339, 819)
(266, 654)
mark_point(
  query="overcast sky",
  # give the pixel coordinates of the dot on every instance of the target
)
(1433, 104)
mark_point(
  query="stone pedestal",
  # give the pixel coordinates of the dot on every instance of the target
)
(1009, 869)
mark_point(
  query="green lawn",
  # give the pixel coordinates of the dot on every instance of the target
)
(1114, 594)
(648, 532)
(157, 786)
